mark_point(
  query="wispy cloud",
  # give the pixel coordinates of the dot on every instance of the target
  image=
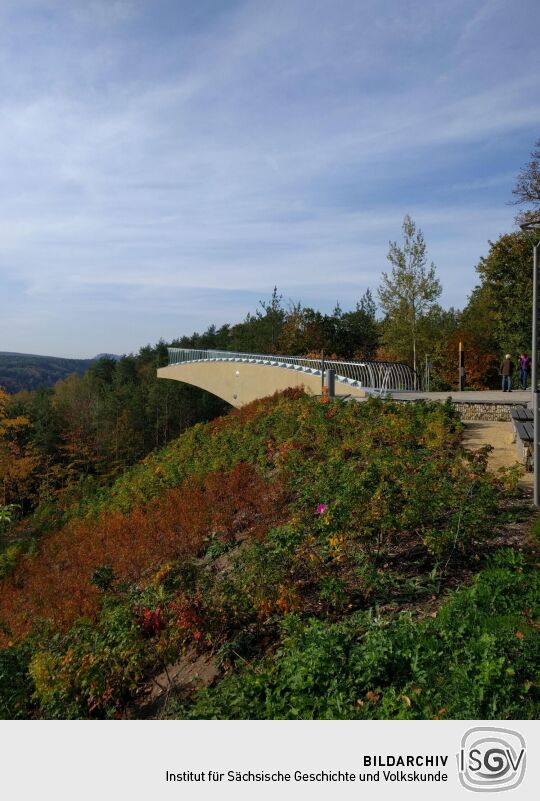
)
(153, 153)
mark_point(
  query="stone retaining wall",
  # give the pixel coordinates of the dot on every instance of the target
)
(498, 412)
(493, 411)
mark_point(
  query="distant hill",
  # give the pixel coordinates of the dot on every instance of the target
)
(114, 356)
(20, 371)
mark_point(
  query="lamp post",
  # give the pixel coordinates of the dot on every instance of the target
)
(534, 225)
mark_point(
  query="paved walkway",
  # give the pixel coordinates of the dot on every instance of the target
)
(478, 433)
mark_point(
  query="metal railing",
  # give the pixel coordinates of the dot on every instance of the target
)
(381, 376)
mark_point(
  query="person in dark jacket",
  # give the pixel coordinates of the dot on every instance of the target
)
(507, 371)
(524, 364)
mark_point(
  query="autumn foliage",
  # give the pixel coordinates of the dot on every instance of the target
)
(55, 584)
(482, 367)
(18, 458)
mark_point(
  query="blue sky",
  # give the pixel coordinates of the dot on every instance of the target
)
(165, 163)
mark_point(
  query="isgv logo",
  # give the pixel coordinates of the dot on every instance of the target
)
(491, 759)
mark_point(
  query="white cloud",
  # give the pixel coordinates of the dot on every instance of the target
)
(269, 144)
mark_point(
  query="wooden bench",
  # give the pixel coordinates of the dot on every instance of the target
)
(522, 413)
(523, 433)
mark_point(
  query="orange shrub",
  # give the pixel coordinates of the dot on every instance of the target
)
(55, 583)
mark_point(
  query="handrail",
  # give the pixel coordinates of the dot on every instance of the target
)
(377, 375)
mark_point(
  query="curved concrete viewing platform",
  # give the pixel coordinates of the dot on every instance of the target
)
(239, 378)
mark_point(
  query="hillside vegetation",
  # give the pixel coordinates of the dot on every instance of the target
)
(310, 551)
(65, 442)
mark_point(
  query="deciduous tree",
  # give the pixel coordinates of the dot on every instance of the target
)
(505, 293)
(407, 293)
(527, 188)
(18, 459)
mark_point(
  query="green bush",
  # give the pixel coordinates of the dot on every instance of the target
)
(478, 659)
(16, 687)
(94, 669)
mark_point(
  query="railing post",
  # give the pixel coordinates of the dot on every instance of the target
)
(330, 383)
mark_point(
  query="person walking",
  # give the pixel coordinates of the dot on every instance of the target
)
(507, 371)
(524, 365)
